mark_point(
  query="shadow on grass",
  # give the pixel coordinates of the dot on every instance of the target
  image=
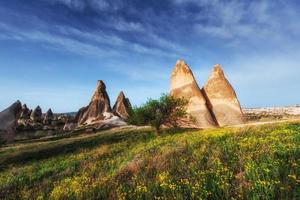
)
(69, 145)
(61, 147)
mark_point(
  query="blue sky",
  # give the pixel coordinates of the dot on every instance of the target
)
(52, 52)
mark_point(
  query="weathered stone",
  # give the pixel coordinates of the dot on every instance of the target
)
(80, 114)
(122, 107)
(99, 107)
(8, 120)
(36, 114)
(183, 84)
(25, 113)
(222, 99)
(69, 126)
(48, 117)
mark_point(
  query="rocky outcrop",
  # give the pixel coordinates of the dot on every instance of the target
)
(48, 117)
(25, 113)
(98, 114)
(183, 84)
(99, 107)
(80, 113)
(8, 120)
(36, 114)
(70, 125)
(122, 107)
(222, 99)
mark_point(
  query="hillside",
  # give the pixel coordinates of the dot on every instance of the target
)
(258, 162)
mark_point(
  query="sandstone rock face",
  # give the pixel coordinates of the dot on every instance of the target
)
(69, 126)
(122, 107)
(183, 84)
(222, 99)
(25, 113)
(8, 120)
(48, 117)
(114, 121)
(36, 114)
(99, 107)
(80, 114)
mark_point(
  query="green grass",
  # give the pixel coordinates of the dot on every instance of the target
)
(260, 162)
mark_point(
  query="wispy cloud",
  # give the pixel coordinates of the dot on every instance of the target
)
(240, 20)
(81, 46)
(256, 41)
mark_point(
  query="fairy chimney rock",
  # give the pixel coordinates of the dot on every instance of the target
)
(222, 99)
(36, 114)
(183, 84)
(25, 112)
(122, 106)
(48, 117)
(99, 107)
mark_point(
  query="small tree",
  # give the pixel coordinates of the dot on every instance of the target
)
(167, 110)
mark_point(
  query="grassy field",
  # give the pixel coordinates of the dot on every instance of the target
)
(261, 162)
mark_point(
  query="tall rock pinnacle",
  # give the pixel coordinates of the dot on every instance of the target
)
(48, 117)
(98, 107)
(183, 84)
(122, 106)
(36, 114)
(222, 99)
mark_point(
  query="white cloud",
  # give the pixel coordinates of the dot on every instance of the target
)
(59, 42)
(91, 44)
(148, 42)
(240, 20)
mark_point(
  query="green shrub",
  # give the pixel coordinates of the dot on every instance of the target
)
(167, 110)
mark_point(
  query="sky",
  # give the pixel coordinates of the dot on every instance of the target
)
(52, 52)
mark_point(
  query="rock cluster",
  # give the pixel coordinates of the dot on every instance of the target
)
(216, 104)
(183, 84)
(99, 107)
(18, 119)
(99, 114)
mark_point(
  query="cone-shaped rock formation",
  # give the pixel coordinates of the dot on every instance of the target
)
(99, 107)
(48, 117)
(122, 107)
(25, 113)
(222, 99)
(183, 84)
(36, 114)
